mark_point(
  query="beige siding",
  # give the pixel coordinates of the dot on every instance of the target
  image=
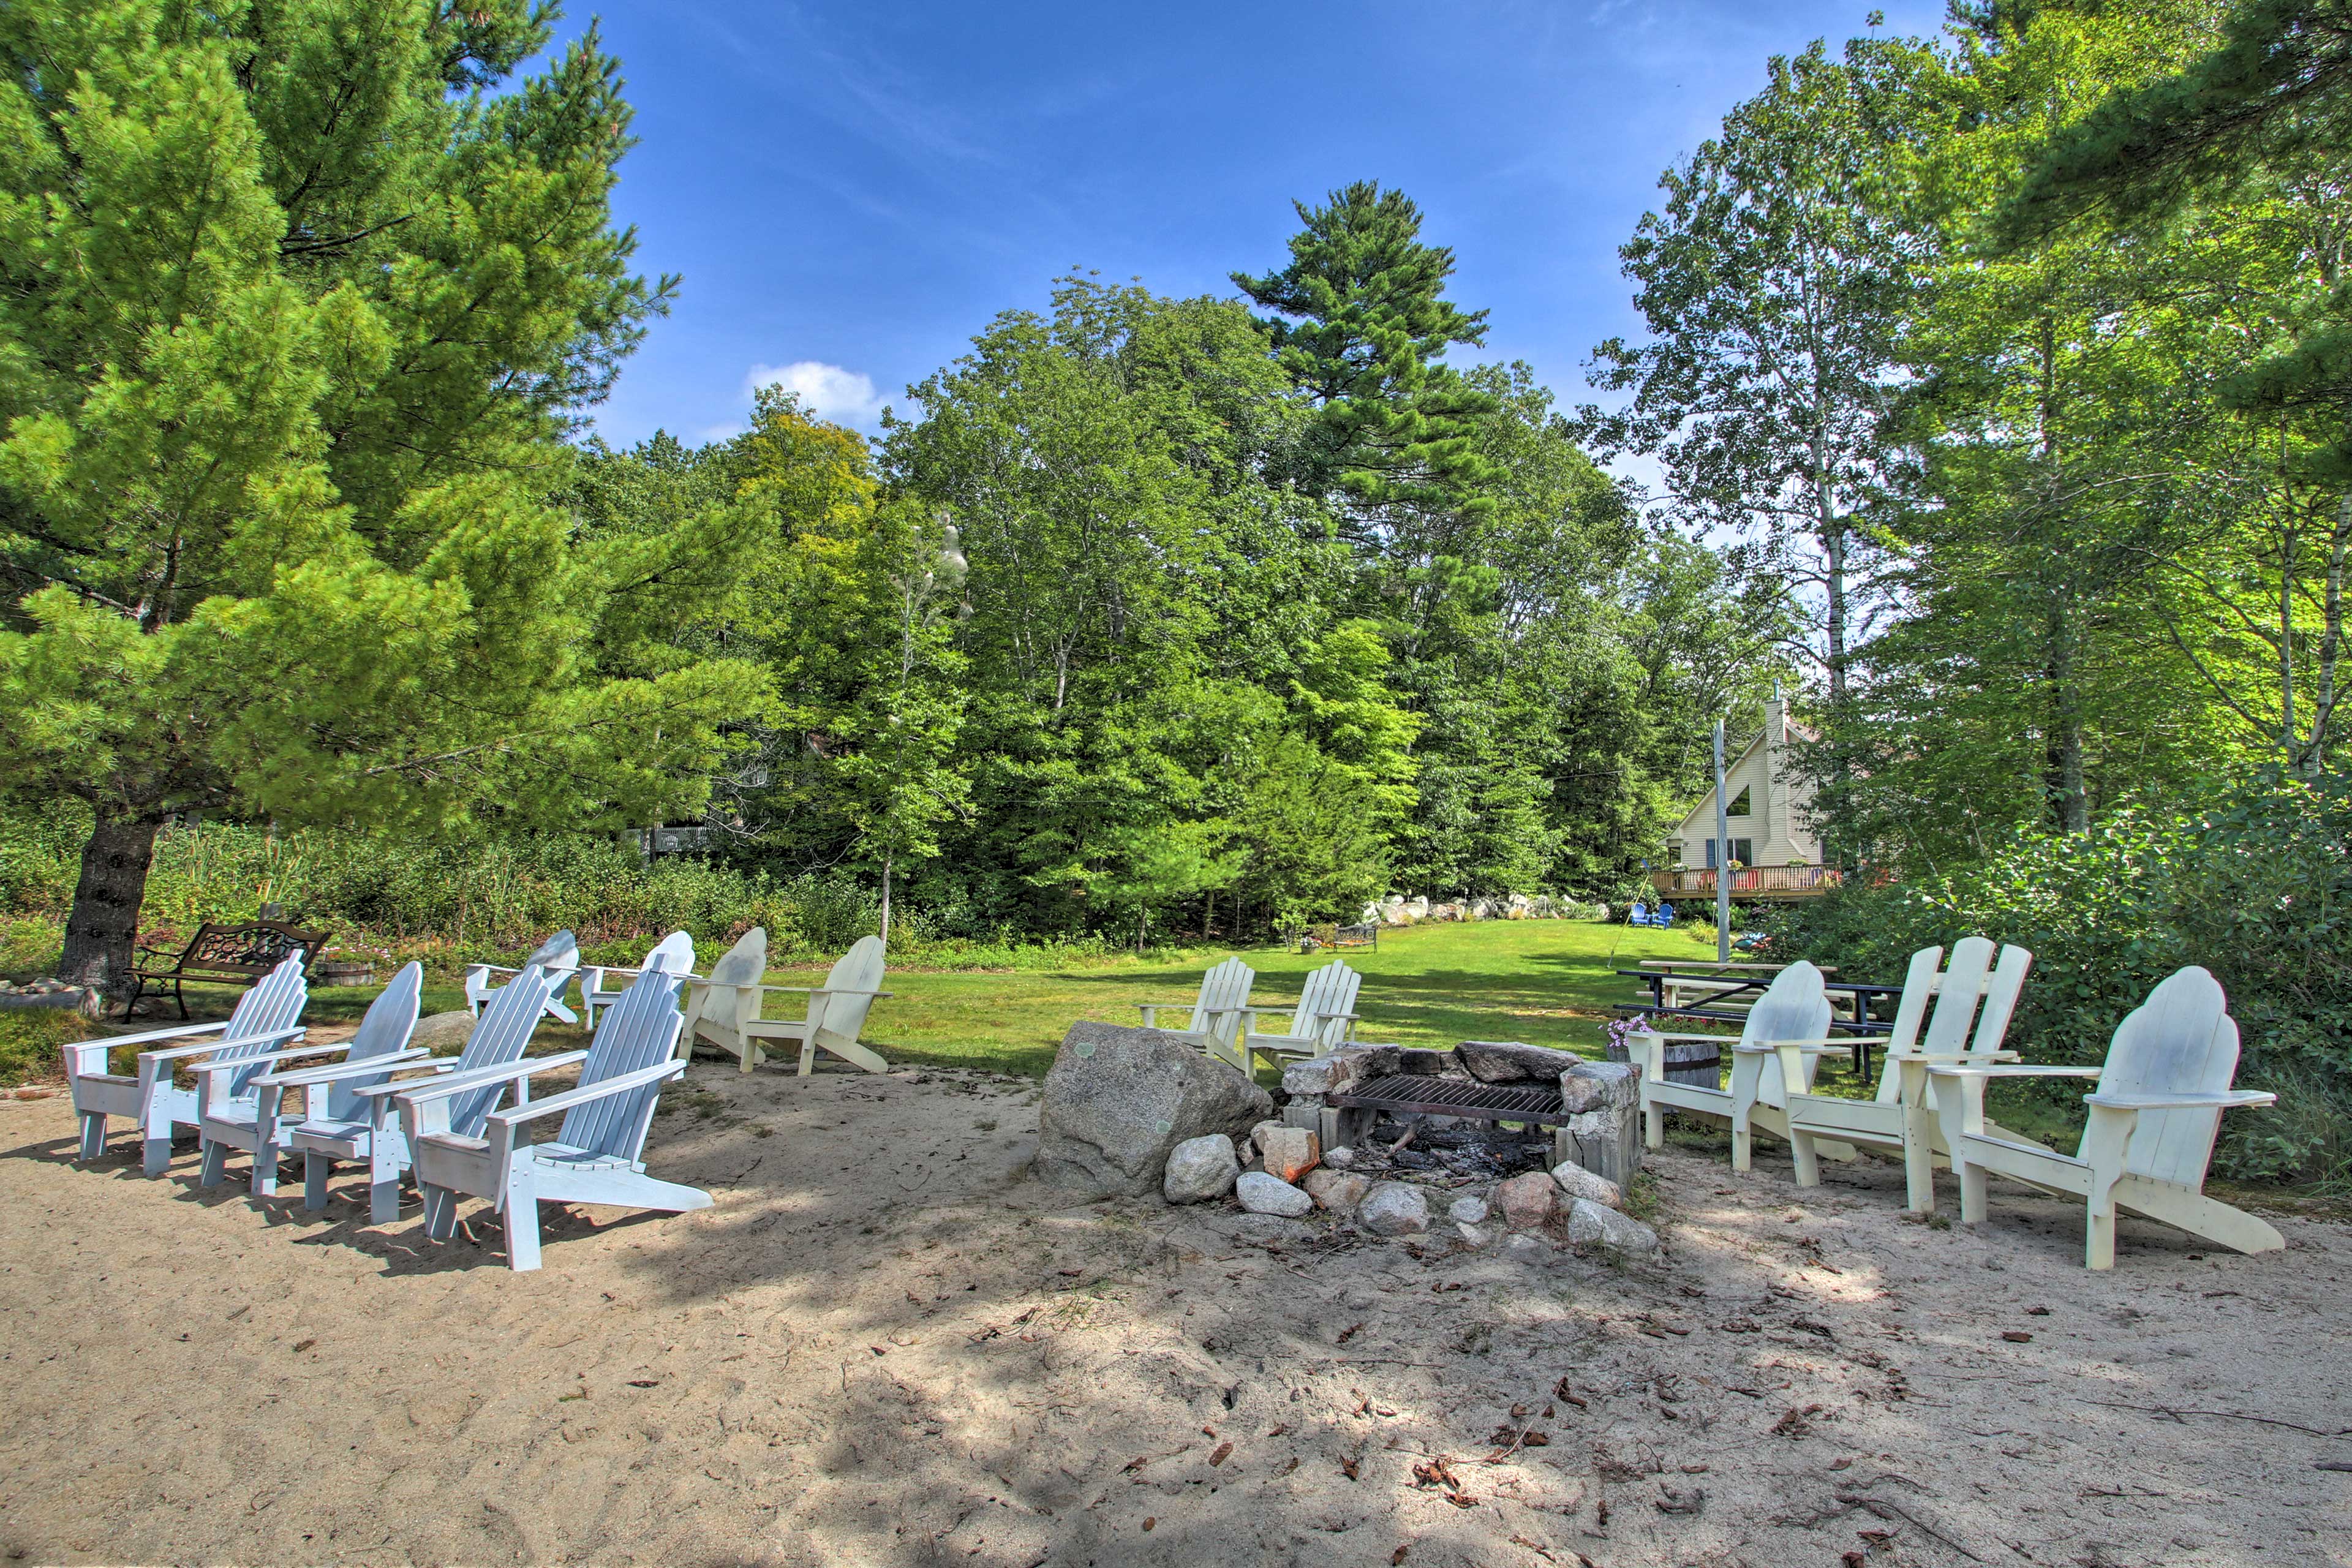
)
(1776, 801)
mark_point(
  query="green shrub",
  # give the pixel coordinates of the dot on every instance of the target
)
(2257, 889)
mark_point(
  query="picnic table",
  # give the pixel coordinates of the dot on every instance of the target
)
(1725, 991)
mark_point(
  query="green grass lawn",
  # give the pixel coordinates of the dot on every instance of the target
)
(1547, 983)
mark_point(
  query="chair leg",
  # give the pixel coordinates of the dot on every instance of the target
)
(440, 1213)
(316, 1169)
(216, 1163)
(264, 1167)
(1808, 1163)
(808, 1053)
(93, 1134)
(522, 1222)
(155, 1153)
(181, 998)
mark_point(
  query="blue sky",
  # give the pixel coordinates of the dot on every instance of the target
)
(851, 191)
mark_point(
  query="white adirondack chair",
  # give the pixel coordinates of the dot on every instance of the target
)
(367, 1125)
(1224, 992)
(257, 1122)
(1324, 1020)
(266, 1016)
(601, 986)
(1972, 989)
(596, 1157)
(716, 1004)
(1794, 1011)
(2154, 1116)
(836, 1010)
(558, 953)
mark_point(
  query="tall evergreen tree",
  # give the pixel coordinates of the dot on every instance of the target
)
(295, 315)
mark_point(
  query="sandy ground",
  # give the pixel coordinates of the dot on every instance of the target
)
(883, 1346)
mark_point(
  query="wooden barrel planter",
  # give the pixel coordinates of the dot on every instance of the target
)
(343, 972)
(1694, 1062)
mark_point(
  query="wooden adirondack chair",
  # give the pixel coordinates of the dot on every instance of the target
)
(367, 1125)
(836, 1011)
(1224, 992)
(596, 1157)
(257, 1122)
(558, 953)
(2154, 1116)
(268, 1015)
(716, 1004)
(600, 986)
(1324, 1020)
(1973, 989)
(1795, 1011)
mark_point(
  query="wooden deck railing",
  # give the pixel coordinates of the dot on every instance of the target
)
(1748, 881)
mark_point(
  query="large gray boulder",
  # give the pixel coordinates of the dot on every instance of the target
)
(443, 1034)
(1509, 1061)
(1262, 1194)
(1119, 1099)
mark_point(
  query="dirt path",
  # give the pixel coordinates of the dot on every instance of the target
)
(883, 1346)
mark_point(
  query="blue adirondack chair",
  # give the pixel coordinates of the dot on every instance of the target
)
(596, 1155)
(367, 1126)
(257, 1120)
(1664, 917)
(266, 1016)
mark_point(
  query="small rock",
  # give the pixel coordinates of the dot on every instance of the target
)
(1200, 1169)
(1468, 1211)
(1258, 1134)
(1336, 1190)
(1526, 1246)
(1526, 1201)
(443, 1034)
(1340, 1158)
(1473, 1236)
(1578, 1182)
(1263, 1194)
(1589, 1224)
(1289, 1152)
(1394, 1208)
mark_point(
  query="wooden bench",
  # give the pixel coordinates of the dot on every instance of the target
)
(221, 955)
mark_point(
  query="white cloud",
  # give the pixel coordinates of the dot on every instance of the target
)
(826, 390)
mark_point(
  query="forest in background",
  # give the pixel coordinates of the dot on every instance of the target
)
(1993, 385)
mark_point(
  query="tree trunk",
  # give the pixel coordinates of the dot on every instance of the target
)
(2070, 801)
(886, 901)
(103, 928)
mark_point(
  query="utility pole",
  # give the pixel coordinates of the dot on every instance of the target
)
(1722, 857)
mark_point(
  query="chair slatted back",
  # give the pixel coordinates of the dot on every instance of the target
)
(674, 953)
(729, 995)
(275, 1003)
(2181, 1040)
(560, 951)
(1972, 989)
(641, 1031)
(390, 1019)
(1793, 1007)
(859, 969)
(1225, 989)
(1330, 990)
(500, 1036)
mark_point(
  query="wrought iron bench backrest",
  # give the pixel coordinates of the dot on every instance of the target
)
(259, 946)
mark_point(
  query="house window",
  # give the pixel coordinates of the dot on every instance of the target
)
(1742, 850)
(1739, 803)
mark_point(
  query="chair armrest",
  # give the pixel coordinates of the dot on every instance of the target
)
(1350, 1017)
(209, 1046)
(412, 1056)
(238, 1064)
(1671, 1034)
(2223, 1101)
(482, 969)
(806, 990)
(2018, 1070)
(586, 1093)
(1249, 1016)
(174, 1032)
(1954, 1058)
(480, 1077)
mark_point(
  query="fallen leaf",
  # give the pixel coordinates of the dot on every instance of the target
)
(1350, 1332)
(2044, 1311)
(1223, 1452)
(2016, 1336)
(645, 1383)
(1347, 1468)
(301, 1345)
(1396, 1557)
(1148, 1522)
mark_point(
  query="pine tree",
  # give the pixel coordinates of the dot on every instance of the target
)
(295, 316)
(1360, 321)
